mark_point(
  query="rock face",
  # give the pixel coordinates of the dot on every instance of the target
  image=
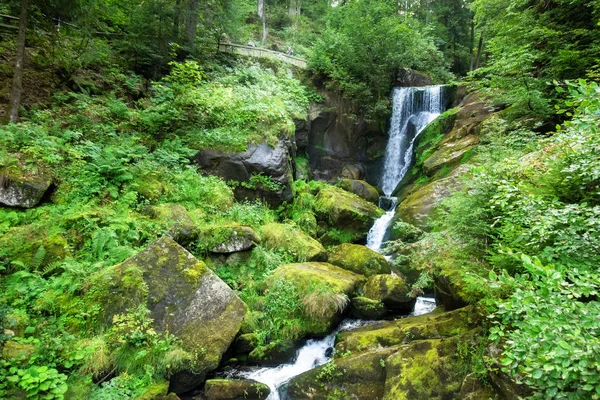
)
(226, 239)
(392, 290)
(23, 188)
(360, 188)
(183, 296)
(233, 389)
(410, 77)
(282, 236)
(365, 308)
(359, 259)
(327, 285)
(274, 164)
(346, 211)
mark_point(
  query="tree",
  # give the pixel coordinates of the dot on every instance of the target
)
(17, 83)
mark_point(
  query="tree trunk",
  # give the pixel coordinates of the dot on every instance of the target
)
(479, 47)
(17, 83)
(191, 23)
(177, 20)
(472, 45)
(263, 18)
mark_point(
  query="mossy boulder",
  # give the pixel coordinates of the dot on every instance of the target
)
(392, 290)
(424, 370)
(364, 308)
(360, 188)
(290, 238)
(447, 289)
(156, 391)
(23, 185)
(358, 376)
(359, 259)
(273, 353)
(449, 154)
(230, 238)
(184, 297)
(403, 231)
(325, 291)
(17, 351)
(176, 221)
(246, 342)
(346, 211)
(234, 389)
(34, 245)
(435, 325)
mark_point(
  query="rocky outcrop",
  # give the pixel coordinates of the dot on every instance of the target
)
(346, 212)
(359, 259)
(23, 186)
(290, 238)
(233, 389)
(262, 171)
(230, 238)
(391, 290)
(360, 188)
(184, 297)
(410, 77)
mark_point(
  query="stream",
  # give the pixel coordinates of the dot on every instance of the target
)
(413, 109)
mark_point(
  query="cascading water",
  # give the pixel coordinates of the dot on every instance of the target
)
(413, 109)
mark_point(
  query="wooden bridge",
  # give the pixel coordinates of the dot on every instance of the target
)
(260, 52)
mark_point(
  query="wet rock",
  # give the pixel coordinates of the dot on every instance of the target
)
(234, 389)
(359, 259)
(358, 376)
(447, 292)
(360, 188)
(231, 238)
(410, 77)
(246, 342)
(365, 308)
(273, 353)
(346, 212)
(290, 238)
(275, 164)
(23, 186)
(183, 296)
(392, 290)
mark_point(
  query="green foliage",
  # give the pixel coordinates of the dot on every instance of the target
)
(40, 382)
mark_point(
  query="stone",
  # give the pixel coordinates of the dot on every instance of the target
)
(360, 188)
(17, 351)
(410, 77)
(447, 291)
(365, 308)
(176, 220)
(272, 163)
(392, 290)
(231, 238)
(273, 354)
(449, 154)
(359, 259)
(184, 297)
(435, 325)
(346, 211)
(358, 376)
(290, 238)
(246, 342)
(156, 391)
(234, 389)
(473, 389)
(324, 286)
(23, 186)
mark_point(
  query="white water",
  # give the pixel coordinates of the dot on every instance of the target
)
(314, 353)
(413, 109)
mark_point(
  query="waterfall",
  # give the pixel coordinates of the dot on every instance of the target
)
(413, 108)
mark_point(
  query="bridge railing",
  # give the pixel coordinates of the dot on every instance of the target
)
(260, 52)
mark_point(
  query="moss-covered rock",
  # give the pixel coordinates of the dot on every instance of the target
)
(246, 342)
(392, 290)
(358, 376)
(346, 212)
(17, 351)
(231, 238)
(183, 296)
(449, 154)
(473, 389)
(176, 221)
(435, 325)
(23, 185)
(34, 246)
(156, 391)
(403, 231)
(424, 370)
(273, 353)
(360, 188)
(359, 259)
(364, 308)
(448, 291)
(290, 238)
(233, 389)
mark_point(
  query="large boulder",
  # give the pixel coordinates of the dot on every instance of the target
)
(262, 171)
(230, 238)
(365, 308)
(358, 376)
(325, 290)
(23, 186)
(360, 188)
(233, 389)
(359, 259)
(290, 238)
(392, 290)
(184, 297)
(346, 212)
(410, 77)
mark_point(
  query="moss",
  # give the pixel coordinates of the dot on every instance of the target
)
(17, 351)
(175, 220)
(80, 387)
(433, 134)
(392, 290)
(360, 188)
(364, 308)
(228, 238)
(273, 353)
(308, 275)
(231, 389)
(34, 245)
(156, 391)
(289, 238)
(359, 259)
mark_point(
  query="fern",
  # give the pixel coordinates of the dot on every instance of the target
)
(38, 258)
